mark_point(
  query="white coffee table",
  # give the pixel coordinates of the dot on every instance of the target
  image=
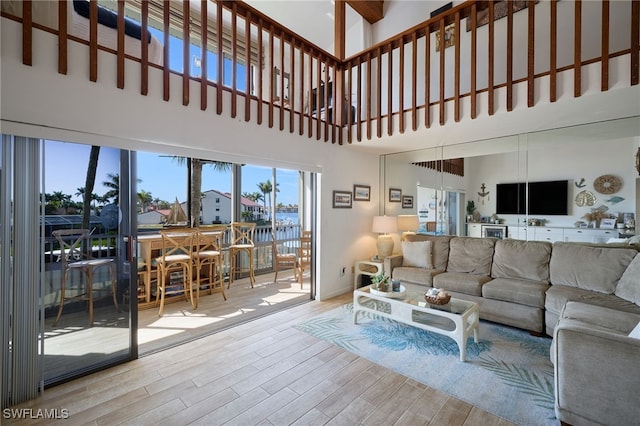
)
(457, 319)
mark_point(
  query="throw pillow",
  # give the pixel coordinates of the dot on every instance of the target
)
(635, 333)
(417, 254)
(628, 287)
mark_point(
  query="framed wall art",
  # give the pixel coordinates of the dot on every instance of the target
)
(361, 193)
(342, 199)
(395, 195)
(407, 201)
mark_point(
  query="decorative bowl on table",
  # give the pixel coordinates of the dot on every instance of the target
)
(436, 296)
(389, 292)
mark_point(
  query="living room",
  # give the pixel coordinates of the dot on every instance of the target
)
(344, 235)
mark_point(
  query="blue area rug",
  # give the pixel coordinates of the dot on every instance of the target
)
(508, 373)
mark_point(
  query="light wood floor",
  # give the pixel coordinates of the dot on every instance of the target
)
(260, 372)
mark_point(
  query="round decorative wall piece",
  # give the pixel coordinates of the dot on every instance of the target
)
(585, 198)
(607, 184)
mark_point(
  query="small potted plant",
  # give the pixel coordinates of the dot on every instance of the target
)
(471, 208)
(380, 282)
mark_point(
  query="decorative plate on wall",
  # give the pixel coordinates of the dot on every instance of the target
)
(585, 198)
(607, 184)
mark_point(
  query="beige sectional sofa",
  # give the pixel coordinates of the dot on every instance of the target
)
(586, 296)
(524, 284)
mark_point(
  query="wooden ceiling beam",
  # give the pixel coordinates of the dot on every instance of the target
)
(371, 10)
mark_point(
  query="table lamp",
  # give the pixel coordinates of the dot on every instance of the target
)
(408, 224)
(384, 225)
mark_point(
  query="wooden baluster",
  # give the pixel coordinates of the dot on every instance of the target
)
(327, 77)
(93, 40)
(401, 89)
(474, 60)
(509, 56)
(442, 71)
(204, 39)
(186, 54)
(577, 49)
(166, 92)
(292, 86)
(27, 33)
(390, 91)
(456, 73)
(349, 67)
(311, 101)
(247, 68)
(234, 60)
(120, 48)
(553, 51)
(302, 95)
(271, 75)
(220, 59)
(604, 71)
(427, 77)
(62, 37)
(281, 83)
(414, 82)
(318, 99)
(144, 50)
(259, 70)
(491, 60)
(359, 102)
(378, 93)
(635, 43)
(531, 54)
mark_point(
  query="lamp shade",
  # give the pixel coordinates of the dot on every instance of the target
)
(408, 222)
(384, 224)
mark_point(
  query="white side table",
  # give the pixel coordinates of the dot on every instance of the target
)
(366, 268)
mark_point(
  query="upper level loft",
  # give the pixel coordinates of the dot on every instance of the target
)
(463, 63)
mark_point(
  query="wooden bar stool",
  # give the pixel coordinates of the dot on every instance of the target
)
(176, 256)
(241, 241)
(209, 254)
(75, 255)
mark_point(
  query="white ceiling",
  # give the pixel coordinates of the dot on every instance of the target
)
(311, 19)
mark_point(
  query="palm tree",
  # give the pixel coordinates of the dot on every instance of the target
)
(196, 183)
(144, 199)
(89, 183)
(114, 187)
(266, 188)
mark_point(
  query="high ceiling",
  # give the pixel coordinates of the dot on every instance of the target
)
(311, 19)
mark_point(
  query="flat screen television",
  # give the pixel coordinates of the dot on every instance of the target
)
(544, 198)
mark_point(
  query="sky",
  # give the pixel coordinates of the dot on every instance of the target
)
(162, 176)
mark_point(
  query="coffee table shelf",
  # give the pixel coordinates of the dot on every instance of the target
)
(458, 319)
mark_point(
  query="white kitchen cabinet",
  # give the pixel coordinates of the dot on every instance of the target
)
(474, 230)
(541, 233)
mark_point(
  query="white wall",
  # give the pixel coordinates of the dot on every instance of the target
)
(558, 160)
(39, 102)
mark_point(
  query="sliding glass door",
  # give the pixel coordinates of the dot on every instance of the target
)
(85, 294)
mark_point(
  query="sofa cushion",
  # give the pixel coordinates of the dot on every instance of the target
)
(471, 255)
(439, 248)
(415, 275)
(527, 260)
(599, 316)
(461, 282)
(558, 295)
(523, 292)
(417, 254)
(629, 285)
(589, 267)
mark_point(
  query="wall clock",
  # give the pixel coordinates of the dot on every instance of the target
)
(607, 184)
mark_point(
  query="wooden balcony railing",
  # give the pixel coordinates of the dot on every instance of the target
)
(247, 59)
